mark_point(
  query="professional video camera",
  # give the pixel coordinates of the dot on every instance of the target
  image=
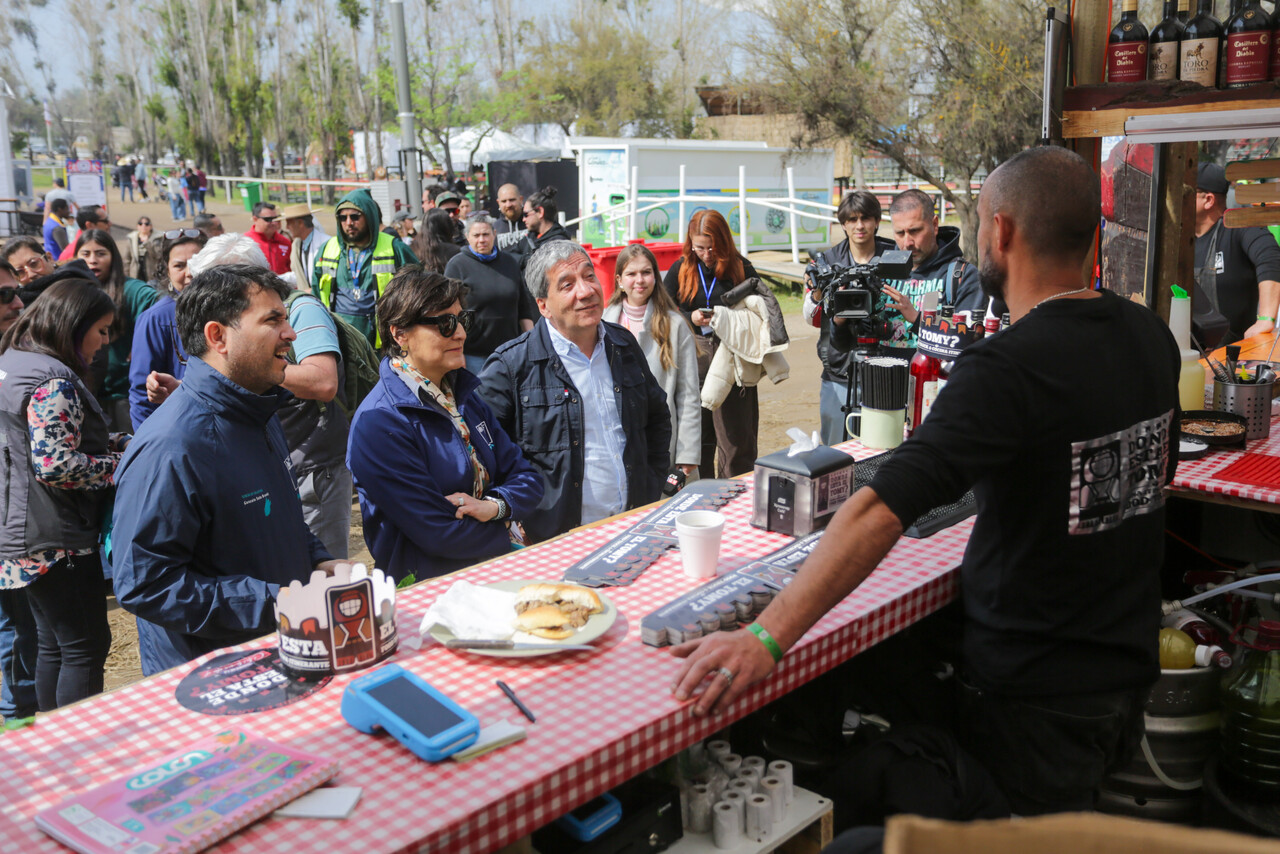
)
(857, 293)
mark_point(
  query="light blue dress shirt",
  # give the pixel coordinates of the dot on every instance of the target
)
(604, 480)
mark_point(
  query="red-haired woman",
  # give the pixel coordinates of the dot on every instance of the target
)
(710, 267)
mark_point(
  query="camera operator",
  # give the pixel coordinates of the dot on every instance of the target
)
(859, 216)
(936, 267)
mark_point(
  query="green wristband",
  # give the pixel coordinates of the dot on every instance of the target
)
(1264, 317)
(766, 639)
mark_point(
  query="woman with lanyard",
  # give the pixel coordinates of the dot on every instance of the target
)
(710, 267)
(441, 486)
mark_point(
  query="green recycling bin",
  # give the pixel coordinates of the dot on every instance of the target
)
(251, 193)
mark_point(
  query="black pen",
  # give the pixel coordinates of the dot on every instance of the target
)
(511, 695)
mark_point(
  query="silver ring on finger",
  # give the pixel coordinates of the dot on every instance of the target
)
(460, 500)
(726, 674)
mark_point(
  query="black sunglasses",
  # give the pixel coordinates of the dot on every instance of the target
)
(269, 218)
(144, 222)
(447, 324)
(350, 216)
(7, 295)
(182, 232)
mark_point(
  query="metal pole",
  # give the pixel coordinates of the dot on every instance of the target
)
(791, 217)
(683, 221)
(742, 209)
(309, 194)
(632, 217)
(405, 103)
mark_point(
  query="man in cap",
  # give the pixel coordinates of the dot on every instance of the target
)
(402, 226)
(355, 266)
(266, 233)
(451, 202)
(1237, 269)
(308, 239)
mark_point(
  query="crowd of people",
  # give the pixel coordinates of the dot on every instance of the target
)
(188, 414)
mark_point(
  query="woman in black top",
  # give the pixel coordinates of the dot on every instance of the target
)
(433, 244)
(503, 306)
(710, 267)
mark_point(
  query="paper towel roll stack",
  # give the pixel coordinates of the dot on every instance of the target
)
(781, 769)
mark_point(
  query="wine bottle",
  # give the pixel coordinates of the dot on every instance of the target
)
(1163, 44)
(1197, 629)
(1201, 47)
(1247, 46)
(1275, 43)
(1127, 47)
(923, 371)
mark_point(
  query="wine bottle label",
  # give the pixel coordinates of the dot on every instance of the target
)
(1248, 58)
(1127, 62)
(1164, 61)
(1200, 61)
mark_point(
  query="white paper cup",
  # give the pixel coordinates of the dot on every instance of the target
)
(698, 532)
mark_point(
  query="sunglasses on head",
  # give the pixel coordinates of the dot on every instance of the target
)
(7, 295)
(182, 232)
(447, 324)
(350, 217)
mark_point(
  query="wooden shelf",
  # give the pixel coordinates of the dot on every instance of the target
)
(1092, 111)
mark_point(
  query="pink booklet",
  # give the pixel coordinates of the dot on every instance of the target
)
(190, 800)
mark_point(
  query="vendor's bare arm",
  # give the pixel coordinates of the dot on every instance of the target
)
(857, 539)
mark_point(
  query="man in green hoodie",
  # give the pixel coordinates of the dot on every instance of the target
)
(354, 267)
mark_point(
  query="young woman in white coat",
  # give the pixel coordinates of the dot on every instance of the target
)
(643, 307)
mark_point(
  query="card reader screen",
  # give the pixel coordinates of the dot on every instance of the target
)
(415, 707)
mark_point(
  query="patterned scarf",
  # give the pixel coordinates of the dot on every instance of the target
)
(443, 395)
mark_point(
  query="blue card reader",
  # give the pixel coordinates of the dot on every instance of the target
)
(411, 711)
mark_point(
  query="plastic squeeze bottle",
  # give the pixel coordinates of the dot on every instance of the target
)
(1191, 380)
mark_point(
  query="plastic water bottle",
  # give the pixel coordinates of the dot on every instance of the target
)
(1251, 714)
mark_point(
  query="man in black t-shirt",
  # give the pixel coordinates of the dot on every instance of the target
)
(1237, 269)
(1059, 582)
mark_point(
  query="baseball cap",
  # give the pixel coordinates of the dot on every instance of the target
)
(447, 197)
(1212, 178)
(402, 216)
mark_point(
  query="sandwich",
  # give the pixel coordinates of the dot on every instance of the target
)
(555, 611)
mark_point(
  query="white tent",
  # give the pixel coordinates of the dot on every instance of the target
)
(496, 145)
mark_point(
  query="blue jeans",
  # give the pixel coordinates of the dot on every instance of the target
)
(177, 206)
(830, 399)
(126, 185)
(17, 655)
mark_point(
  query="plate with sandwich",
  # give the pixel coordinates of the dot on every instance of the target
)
(550, 615)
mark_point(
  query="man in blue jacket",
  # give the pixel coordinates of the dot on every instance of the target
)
(208, 524)
(577, 396)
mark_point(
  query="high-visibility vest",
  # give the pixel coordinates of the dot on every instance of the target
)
(384, 265)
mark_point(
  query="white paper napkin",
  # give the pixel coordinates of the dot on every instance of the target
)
(473, 612)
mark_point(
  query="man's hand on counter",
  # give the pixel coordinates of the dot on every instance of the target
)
(739, 653)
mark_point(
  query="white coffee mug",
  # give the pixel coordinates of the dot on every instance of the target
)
(881, 428)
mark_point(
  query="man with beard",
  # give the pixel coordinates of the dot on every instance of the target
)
(936, 267)
(1059, 585)
(355, 266)
(208, 523)
(540, 220)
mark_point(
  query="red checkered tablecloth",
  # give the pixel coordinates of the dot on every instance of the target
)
(603, 716)
(1200, 476)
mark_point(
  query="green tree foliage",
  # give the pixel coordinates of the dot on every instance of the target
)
(598, 78)
(947, 90)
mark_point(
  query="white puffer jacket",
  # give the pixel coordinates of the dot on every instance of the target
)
(746, 354)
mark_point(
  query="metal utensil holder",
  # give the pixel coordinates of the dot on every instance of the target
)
(1252, 400)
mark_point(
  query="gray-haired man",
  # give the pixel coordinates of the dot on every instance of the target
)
(576, 394)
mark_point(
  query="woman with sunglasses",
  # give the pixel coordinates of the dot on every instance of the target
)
(503, 306)
(131, 297)
(645, 309)
(157, 347)
(59, 467)
(440, 484)
(707, 269)
(134, 251)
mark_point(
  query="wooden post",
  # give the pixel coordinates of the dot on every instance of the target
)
(1175, 230)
